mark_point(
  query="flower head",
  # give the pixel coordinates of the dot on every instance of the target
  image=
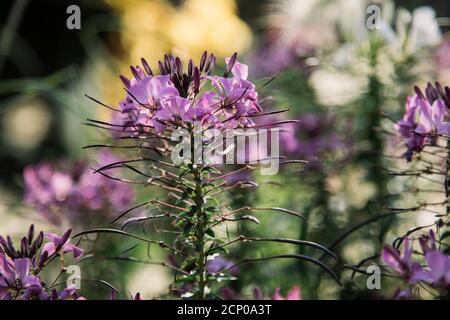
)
(57, 243)
(20, 267)
(178, 97)
(436, 271)
(425, 118)
(67, 191)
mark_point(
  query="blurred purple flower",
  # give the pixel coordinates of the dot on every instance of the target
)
(436, 272)
(294, 294)
(70, 293)
(406, 127)
(425, 118)
(62, 243)
(272, 57)
(219, 263)
(318, 137)
(400, 262)
(443, 55)
(68, 194)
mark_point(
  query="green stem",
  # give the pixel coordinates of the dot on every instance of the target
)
(200, 232)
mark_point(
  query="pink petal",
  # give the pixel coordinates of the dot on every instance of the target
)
(294, 294)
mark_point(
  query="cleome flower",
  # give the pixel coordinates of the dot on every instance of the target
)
(177, 97)
(436, 271)
(20, 267)
(65, 192)
(425, 119)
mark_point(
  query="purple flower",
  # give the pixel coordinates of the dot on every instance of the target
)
(176, 98)
(70, 293)
(274, 56)
(400, 262)
(17, 282)
(407, 126)
(294, 294)
(73, 192)
(100, 193)
(425, 118)
(219, 263)
(432, 118)
(20, 267)
(45, 187)
(237, 99)
(428, 242)
(437, 272)
(62, 243)
(443, 55)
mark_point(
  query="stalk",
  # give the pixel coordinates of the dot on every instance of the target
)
(200, 232)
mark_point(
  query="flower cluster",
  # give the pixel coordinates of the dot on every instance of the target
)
(314, 140)
(175, 97)
(426, 118)
(20, 267)
(435, 273)
(156, 106)
(65, 194)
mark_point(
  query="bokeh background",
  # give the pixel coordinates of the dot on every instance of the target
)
(334, 75)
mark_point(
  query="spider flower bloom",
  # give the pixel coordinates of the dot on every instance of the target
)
(401, 262)
(314, 140)
(436, 272)
(20, 266)
(407, 126)
(15, 279)
(426, 118)
(177, 97)
(60, 243)
(71, 191)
